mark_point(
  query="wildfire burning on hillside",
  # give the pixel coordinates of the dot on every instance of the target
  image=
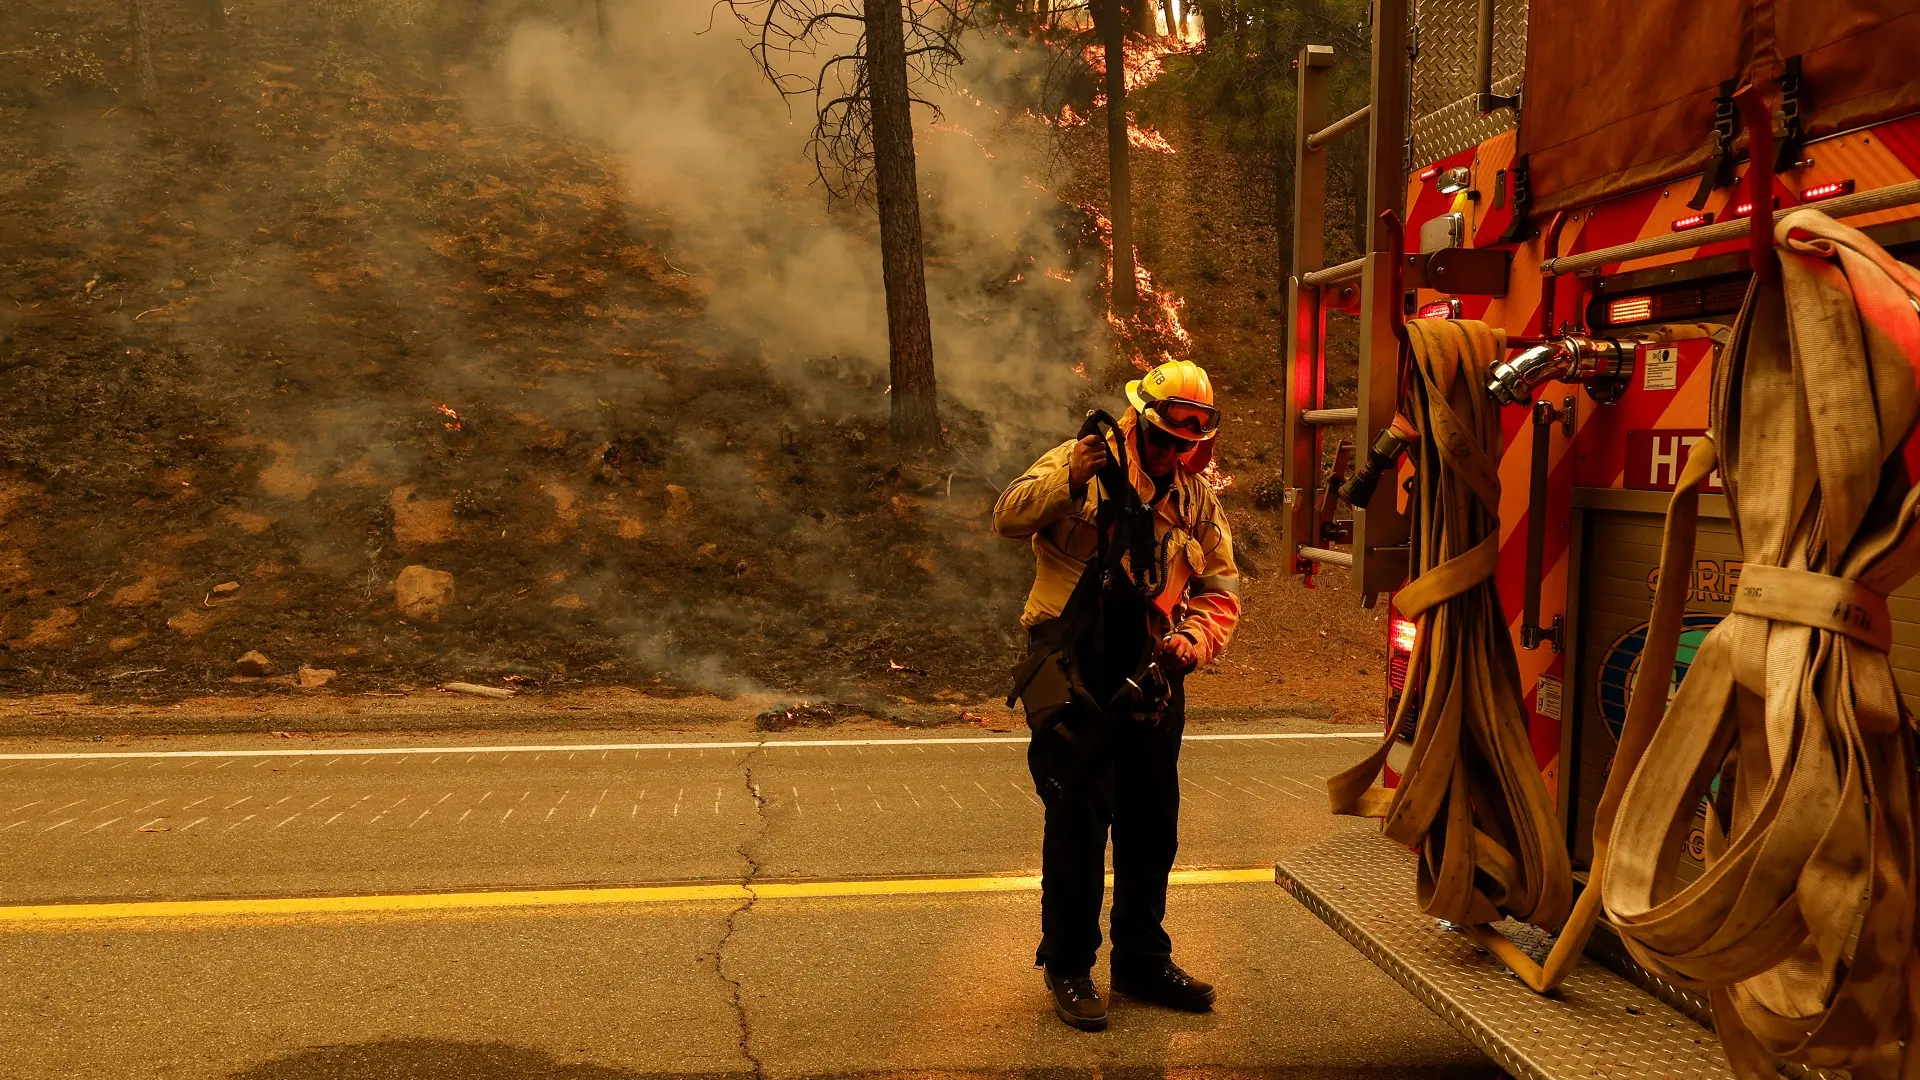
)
(1068, 118)
(1154, 334)
(1142, 137)
(1145, 61)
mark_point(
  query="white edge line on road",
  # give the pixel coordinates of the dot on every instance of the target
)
(745, 745)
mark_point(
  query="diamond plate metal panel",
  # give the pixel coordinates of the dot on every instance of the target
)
(1606, 947)
(1444, 118)
(1597, 1026)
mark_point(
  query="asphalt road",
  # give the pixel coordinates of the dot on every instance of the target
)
(922, 975)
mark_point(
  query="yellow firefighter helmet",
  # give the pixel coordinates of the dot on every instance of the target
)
(1177, 397)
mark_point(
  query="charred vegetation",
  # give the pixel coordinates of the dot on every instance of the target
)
(400, 342)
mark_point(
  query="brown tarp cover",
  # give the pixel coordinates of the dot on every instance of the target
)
(1619, 93)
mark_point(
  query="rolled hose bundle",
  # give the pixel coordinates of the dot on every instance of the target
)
(1470, 799)
(1800, 930)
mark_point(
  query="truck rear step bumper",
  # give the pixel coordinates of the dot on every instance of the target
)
(1597, 1025)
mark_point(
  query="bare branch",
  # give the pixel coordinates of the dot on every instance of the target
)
(786, 33)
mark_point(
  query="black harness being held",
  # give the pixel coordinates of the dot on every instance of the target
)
(1096, 653)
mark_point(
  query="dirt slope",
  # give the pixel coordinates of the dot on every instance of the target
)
(314, 322)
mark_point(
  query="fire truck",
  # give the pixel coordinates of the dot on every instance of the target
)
(1577, 173)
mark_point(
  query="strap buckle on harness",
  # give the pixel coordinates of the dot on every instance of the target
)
(1725, 127)
(1792, 137)
(1520, 226)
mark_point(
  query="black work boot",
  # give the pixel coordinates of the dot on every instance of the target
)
(1165, 984)
(1077, 1002)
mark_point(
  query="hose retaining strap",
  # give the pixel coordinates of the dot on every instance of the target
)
(1804, 598)
(1449, 579)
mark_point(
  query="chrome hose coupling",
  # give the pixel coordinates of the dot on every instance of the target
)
(1601, 365)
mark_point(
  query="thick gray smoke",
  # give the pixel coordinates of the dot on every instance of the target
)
(702, 137)
(360, 296)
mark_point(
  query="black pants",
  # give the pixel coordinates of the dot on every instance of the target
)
(1125, 780)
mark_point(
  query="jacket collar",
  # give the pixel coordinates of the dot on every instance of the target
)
(1178, 501)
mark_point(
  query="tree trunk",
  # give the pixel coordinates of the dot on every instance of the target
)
(1283, 166)
(216, 14)
(1173, 20)
(915, 423)
(1137, 17)
(1209, 19)
(146, 92)
(1119, 181)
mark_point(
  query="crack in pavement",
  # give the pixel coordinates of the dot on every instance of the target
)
(752, 867)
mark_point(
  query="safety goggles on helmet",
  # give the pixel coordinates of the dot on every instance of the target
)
(1187, 419)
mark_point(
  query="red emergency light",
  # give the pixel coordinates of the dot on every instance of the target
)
(1429, 172)
(1830, 190)
(1631, 309)
(1692, 221)
(1401, 635)
(1405, 633)
(1441, 309)
(1680, 303)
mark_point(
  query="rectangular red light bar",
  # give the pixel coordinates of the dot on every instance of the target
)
(1429, 172)
(1631, 309)
(1441, 309)
(1692, 221)
(1831, 190)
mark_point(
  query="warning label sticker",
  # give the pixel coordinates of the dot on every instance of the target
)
(1546, 697)
(1662, 367)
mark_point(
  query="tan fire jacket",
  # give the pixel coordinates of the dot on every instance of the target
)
(1191, 541)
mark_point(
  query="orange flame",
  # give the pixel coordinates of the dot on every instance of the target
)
(956, 129)
(1145, 138)
(453, 418)
(1068, 118)
(1217, 478)
(1144, 60)
(1155, 328)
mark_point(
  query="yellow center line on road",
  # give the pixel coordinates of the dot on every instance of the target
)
(340, 753)
(29, 915)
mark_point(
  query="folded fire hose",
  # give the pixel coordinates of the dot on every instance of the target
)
(1800, 930)
(1471, 798)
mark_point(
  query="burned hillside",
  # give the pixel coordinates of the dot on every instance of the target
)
(401, 345)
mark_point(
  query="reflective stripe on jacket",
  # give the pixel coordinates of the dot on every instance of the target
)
(1192, 545)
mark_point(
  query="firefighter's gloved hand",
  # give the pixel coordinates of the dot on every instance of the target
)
(1089, 456)
(1179, 654)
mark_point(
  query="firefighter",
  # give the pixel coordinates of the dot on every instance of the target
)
(1104, 752)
